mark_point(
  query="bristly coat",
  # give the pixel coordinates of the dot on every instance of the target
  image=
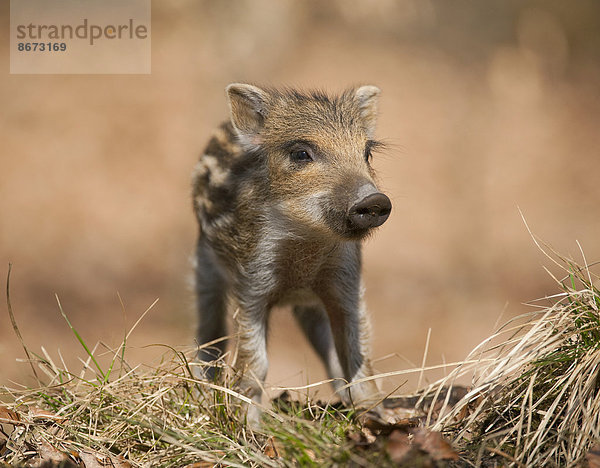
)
(284, 193)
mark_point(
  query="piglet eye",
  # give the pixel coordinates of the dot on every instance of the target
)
(300, 156)
(369, 147)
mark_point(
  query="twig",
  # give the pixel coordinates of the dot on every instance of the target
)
(505, 455)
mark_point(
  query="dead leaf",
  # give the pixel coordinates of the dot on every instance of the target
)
(363, 438)
(50, 453)
(8, 416)
(593, 457)
(8, 420)
(120, 462)
(434, 444)
(398, 446)
(89, 460)
(379, 426)
(464, 413)
(202, 464)
(271, 449)
(468, 408)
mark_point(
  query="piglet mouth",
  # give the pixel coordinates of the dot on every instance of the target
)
(357, 234)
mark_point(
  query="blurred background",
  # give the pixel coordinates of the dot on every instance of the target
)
(487, 107)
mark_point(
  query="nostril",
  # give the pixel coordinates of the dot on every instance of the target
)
(385, 209)
(373, 210)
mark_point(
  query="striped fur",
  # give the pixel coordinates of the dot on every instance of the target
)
(273, 229)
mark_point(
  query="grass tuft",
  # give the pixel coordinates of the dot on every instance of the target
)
(535, 398)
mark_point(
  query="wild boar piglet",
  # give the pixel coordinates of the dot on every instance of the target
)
(284, 194)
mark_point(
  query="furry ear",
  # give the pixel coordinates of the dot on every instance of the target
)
(366, 98)
(247, 107)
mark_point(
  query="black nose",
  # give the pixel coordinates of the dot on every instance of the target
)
(370, 212)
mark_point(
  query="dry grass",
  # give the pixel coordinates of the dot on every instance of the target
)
(534, 401)
(112, 414)
(535, 396)
(158, 416)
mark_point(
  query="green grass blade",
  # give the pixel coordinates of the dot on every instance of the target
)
(78, 336)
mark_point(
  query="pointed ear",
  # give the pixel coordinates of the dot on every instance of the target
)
(366, 98)
(247, 107)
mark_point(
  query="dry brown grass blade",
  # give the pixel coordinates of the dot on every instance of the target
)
(15, 327)
(506, 456)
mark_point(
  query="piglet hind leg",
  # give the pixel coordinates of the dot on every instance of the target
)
(314, 322)
(211, 297)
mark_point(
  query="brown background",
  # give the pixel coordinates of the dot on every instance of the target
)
(486, 107)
